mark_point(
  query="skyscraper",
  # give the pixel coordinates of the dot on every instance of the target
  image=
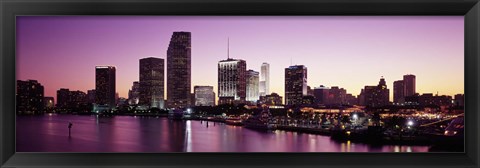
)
(264, 87)
(105, 86)
(232, 81)
(204, 96)
(179, 70)
(152, 82)
(398, 92)
(409, 84)
(29, 97)
(295, 84)
(252, 86)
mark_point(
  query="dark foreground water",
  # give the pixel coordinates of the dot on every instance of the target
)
(49, 133)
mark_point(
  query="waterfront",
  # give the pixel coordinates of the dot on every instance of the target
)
(49, 133)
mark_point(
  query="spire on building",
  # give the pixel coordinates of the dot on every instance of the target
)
(228, 48)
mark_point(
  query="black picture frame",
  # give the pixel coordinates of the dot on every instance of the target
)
(9, 9)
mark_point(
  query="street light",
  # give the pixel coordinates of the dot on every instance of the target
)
(410, 123)
(355, 116)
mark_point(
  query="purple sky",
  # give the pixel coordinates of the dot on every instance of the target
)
(345, 51)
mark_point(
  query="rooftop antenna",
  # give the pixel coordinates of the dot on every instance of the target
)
(291, 61)
(228, 48)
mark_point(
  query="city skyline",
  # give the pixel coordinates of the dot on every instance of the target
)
(439, 69)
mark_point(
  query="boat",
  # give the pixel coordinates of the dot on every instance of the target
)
(456, 127)
(453, 136)
(262, 121)
(234, 121)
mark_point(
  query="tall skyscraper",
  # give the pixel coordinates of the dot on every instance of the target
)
(409, 84)
(398, 92)
(295, 84)
(29, 97)
(232, 81)
(152, 82)
(105, 86)
(264, 87)
(179, 70)
(204, 96)
(252, 86)
(134, 93)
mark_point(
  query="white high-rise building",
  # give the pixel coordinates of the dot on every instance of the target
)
(264, 87)
(252, 86)
(232, 81)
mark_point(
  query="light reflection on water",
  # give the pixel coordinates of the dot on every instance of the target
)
(49, 133)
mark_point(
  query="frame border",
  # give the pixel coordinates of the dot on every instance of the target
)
(9, 9)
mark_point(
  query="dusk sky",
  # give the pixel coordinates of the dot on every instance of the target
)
(345, 51)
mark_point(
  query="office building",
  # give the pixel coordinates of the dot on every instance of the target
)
(375, 96)
(399, 92)
(204, 96)
(337, 96)
(295, 84)
(264, 84)
(351, 99)
(252, 78)
(179, 70)
(409, 85)
(459, 100)
(232, 81)
(105, 86)
(151, 86)
(29, 96)
(321, 95)
(272, 99)
(63, 98)
(71, 101)
(428, 99)
(308, 101)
